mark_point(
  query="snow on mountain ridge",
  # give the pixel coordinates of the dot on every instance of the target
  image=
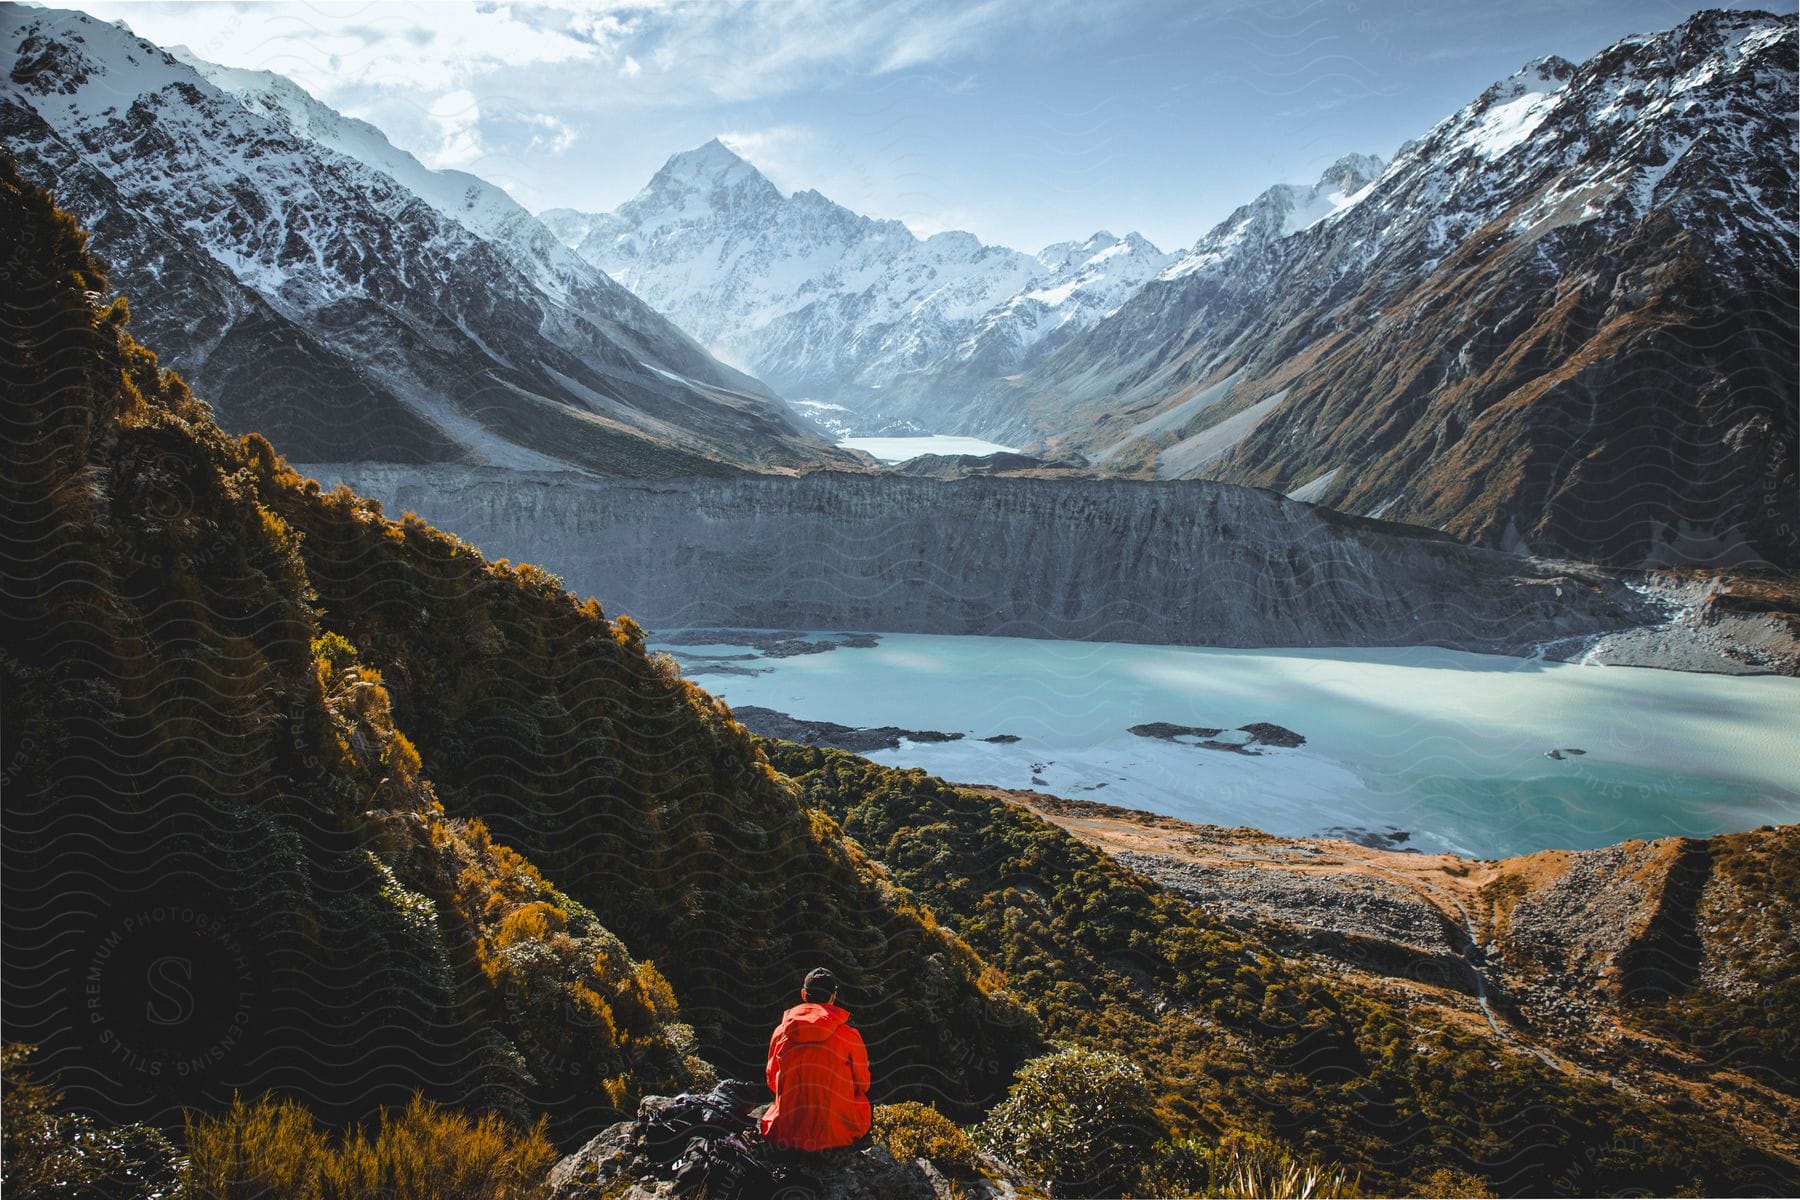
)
(1578, 270)
(832, 305)
(283, 242)
(485, 210)
(1282, 210)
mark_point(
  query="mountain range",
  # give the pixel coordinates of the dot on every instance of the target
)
(865, 325)
(326, 289)
(1560, 320)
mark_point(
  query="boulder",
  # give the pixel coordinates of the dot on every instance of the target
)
(609, 1166)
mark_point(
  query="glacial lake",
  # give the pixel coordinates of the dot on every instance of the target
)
(1416, 748)
(904, 449)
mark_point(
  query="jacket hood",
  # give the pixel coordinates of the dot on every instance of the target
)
(813, 1022)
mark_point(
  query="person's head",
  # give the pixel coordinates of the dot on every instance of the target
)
(820, 987)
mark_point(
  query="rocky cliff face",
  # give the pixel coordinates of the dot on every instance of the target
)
(325, 289)
(1121, 560)
(1559, 320)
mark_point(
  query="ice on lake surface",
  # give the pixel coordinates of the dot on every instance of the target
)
(902, 449)
(1451, 748)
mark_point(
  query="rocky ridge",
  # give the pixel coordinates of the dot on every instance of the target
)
(325, 289)
(609, 1166)
(1666, 967)
(1561, 319)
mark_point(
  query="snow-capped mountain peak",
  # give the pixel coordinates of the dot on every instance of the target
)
(711, 160)
(1505, 115)
(835, 306)
(1279, 212)
(708, 171)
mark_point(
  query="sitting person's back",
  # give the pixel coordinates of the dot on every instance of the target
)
(819, 1071)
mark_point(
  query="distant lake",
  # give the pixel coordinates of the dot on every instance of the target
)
(1446, 748)
(900, 449)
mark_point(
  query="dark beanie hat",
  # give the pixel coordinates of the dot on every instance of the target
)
(820, 983)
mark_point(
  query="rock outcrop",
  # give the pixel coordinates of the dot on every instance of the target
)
(610, 1167)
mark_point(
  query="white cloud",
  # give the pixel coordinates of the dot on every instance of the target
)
(495, 136)
(458, 118)
(333, 48)
(705, 49)
(556, 137)
(780, 152)
(745, 52)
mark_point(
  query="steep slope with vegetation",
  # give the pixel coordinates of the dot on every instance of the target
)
(227, 867)
(208, 804)
(1670, 968)
(1238, 1041)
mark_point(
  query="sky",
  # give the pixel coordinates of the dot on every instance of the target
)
(1023, 121)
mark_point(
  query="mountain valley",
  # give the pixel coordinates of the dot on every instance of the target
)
(460, 674)
(1554, 323)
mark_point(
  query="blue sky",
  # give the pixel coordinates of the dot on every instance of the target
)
(1026, 121)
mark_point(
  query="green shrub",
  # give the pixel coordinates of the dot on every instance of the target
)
(334, 650)
(1179, 1167)
(1084, 1120)
(46, 1151)
(1244, 1165)
(913, 1130)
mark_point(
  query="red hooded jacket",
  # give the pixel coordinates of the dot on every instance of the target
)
(819, 1072)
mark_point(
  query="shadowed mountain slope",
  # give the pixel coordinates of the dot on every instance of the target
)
(326, 289)
(1561, 320)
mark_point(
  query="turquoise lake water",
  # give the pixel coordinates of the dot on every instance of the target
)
(1431, 749)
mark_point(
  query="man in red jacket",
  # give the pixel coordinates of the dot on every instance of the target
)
(819, 1072)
